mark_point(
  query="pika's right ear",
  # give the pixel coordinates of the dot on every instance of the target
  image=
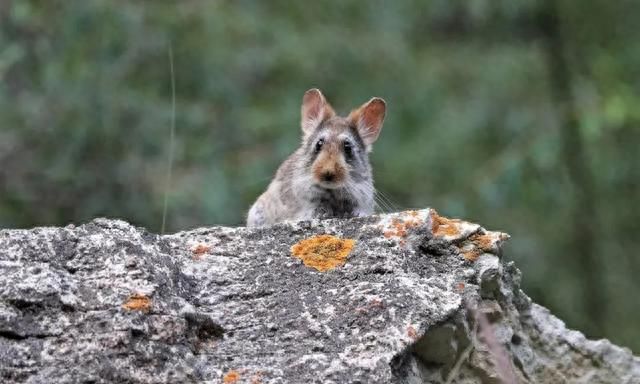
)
(368, 120)
(315, 109)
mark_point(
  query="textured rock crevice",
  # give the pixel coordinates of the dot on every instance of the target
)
(410, 297)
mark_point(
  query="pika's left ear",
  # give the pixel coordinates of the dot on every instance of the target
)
(315, 109)
(368, 120)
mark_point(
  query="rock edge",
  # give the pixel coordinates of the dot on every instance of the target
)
(420, 299)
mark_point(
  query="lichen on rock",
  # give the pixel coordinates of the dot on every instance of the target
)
(137, 302)
(411, 297)
(323, 252)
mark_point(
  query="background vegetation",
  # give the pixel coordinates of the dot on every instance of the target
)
(520, 115)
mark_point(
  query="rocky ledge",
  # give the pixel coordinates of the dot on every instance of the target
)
(408, 297)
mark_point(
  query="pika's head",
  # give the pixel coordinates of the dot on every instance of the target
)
(337, 148)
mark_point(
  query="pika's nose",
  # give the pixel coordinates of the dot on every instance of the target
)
(328, 176)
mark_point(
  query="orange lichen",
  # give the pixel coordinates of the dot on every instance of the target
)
(138, 302)
(323, 252)
(257, 378)
(460, 286)
(470, 246)
(411, 332)
(199, 251)
(433, 216)
(442, 226)
(231, 377)
(484, 242)
(376, 303)
(481, 243)
(372, 305)
(401, 230)
(400, 227)
(473, 254)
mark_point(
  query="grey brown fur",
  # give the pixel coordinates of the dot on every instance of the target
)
(329, 175)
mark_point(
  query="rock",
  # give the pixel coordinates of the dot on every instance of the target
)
(409, 297)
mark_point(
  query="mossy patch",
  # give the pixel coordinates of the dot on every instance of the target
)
(323, 252)
(138, 302)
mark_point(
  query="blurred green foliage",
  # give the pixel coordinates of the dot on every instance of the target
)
(473, 127)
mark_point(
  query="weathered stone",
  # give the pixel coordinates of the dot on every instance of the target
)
(421, 298)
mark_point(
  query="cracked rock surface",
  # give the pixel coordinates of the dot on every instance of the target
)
(409, 297)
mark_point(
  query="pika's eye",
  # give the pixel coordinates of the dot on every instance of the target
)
(319, 145)
(348, 149)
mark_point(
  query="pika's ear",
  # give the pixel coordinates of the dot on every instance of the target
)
(315, 109)
(368, 120)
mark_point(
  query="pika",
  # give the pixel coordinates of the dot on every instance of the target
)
(329, 175)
